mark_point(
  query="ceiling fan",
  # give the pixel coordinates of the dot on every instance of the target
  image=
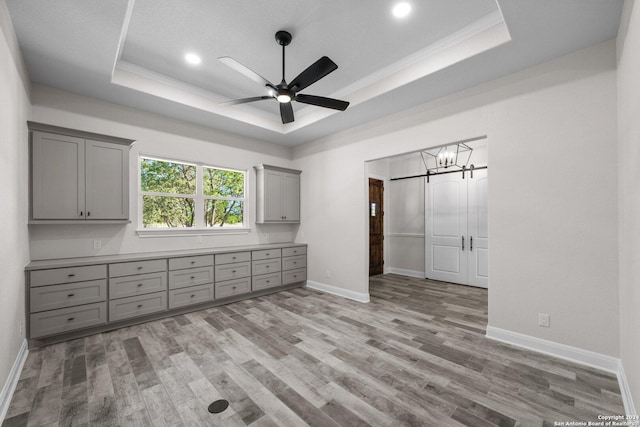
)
(285, 92)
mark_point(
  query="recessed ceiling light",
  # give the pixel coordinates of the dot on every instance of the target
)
(192, 58)
(402, 9)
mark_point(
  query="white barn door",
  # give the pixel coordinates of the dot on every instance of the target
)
(456, 228)
(445, 228)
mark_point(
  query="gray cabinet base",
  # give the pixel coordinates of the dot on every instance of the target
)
(44, 341)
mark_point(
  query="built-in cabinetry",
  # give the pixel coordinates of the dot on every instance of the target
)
(75, 297)
(78, 176)
(278, 195)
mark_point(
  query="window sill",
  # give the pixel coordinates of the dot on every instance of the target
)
(183, 232)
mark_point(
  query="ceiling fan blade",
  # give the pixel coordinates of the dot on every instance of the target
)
(245, 100)
(321, 101)
(313, 73)
(286, 112)
(230, 62)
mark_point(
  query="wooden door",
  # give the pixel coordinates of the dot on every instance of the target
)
(376, 227)
(446, 241)
(478, 229)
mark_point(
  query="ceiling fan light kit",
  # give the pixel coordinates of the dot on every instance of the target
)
(285, 92)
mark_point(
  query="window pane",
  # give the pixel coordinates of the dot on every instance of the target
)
(167, 212)
(167, 177)
(223, 183)
(223, 213)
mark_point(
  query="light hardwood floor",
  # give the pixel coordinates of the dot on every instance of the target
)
(415, 355)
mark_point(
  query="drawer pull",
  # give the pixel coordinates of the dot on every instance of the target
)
(233, 258)
(193, 277)
(234, 288)
(268, 266)
(193, 295)
(193, 262)
(233, 271)
(139, 305)
(71, 295)
(267, 254)
(140, 268)
(295, 252)
(267, 281)
(71, 319)
(140, 285)
(71, 275)
(294, 276)
(295, 262)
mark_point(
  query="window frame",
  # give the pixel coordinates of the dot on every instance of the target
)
(199, 197)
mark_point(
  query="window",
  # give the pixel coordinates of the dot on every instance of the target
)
(179, 195)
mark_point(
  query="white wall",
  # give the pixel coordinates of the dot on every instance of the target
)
(14, 249)
(629, 196)
(155, 136)
(553, 230)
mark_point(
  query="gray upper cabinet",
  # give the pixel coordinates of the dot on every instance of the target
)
(278, 195)
(77, 175)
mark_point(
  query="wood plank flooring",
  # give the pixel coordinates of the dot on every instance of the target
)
(416, 355)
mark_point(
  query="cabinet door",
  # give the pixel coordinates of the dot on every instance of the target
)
(107, 180)
(273, 196)
(291, 197)
(57, 177)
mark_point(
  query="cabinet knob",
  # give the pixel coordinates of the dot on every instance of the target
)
(193, 295)
(140, 285)
(193, 277)
(71, 319)
(140, 268)
(71, 295)
(71, 275)
(233, 271)
(193, 262)
(267, 281)
(139, 305)
(233, 258)
(234, 288)
(80, 213)
(88, 213)
(267, 266)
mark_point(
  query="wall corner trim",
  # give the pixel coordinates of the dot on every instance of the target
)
(345, 293)
(627, 399)
(12, 381)
(552, 348)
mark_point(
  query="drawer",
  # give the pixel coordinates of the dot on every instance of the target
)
(67, 295)
(266, 266)
(298, 250)
(233, 287)
(233, 257)
(55, 276)
(137, 306)
(67, 319)
(266, 281)
(190, 277)
(128, 286)
(233, 271)
(291, 263)
(266, 254)
(137, 267)
(189, 296)
(190, 262)
(294, 276)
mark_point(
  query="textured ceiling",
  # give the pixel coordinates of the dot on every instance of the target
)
(131, 52)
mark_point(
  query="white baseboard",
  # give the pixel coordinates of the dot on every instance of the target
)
(627, 399)
(403, 272)
(12, 380)
(562, 351)
(345, 293)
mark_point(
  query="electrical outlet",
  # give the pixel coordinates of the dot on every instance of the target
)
(544, 320)
(97, 244)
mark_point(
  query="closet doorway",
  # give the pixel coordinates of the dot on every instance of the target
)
(456, 228)
(376, 227)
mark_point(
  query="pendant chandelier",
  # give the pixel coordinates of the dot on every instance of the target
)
(450, 158)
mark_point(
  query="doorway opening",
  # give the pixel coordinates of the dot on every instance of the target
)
(435, 219)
